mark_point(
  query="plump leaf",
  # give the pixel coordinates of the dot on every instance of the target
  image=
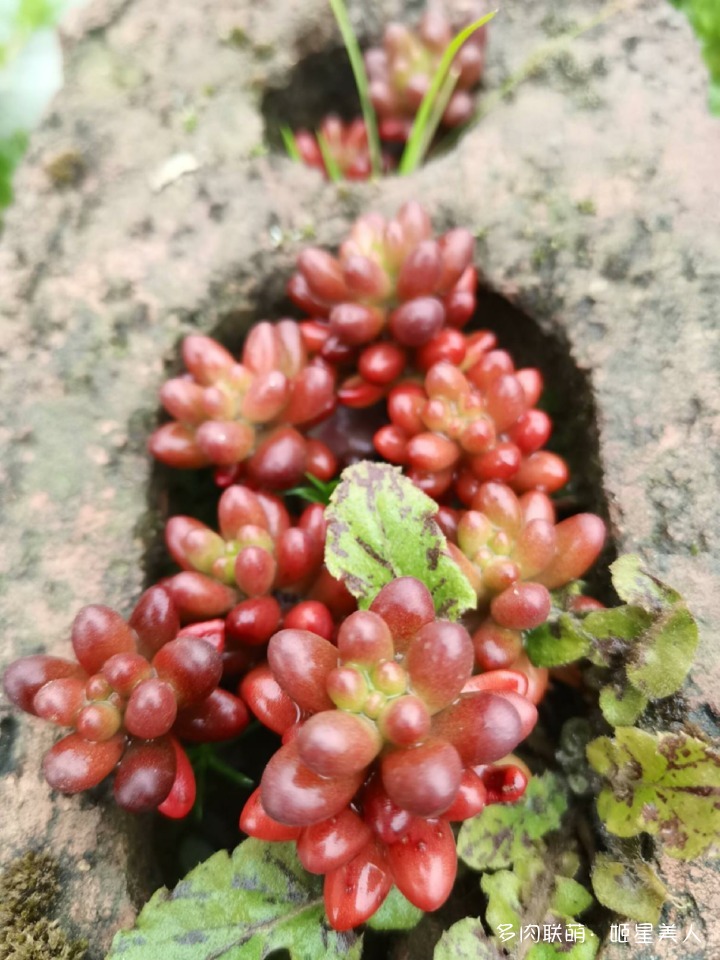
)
(667, 784)
(631, 888)
(504, 833)
(396, 913)
(466, 940)
(621, 707)
(380, 526)
(238, 907)
(558, 642)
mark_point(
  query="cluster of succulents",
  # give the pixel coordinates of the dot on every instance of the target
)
(393, 723)
(399, 75)
(386, 739)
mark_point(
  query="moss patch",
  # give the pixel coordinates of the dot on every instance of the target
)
(28, 890)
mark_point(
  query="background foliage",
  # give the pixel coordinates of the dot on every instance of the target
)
(31, 68)
(30, 74)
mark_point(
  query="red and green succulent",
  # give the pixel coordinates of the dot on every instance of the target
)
(396, 719)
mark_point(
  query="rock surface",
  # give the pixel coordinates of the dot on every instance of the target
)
(148, 207)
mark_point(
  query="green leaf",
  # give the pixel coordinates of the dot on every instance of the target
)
(315, 491)
(396, 913)
(666, 784)
(570, 897)
(504, 833)
(660, 666)
(557, 642)
(361, 82)
(636, 586)
(239, 907)
(540, 895)
(631, 889)
(580, 950)
(503, 890)
(380, 527)
(622, 707)
(422, 132)
(466, 940)
(615, 631)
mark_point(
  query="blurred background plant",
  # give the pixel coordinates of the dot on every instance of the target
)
(31, 68)
(30, 75)
(704, 15)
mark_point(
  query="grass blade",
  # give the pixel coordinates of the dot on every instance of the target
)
(288, 138)
(422, 130)
(443, 98)
(331, 165)
(536, 60)
(361, 82)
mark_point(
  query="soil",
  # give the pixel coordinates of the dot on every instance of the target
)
(593, 192)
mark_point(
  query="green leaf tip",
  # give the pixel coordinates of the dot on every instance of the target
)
(664, 784)
(241, 906)
(649, 641)
(396, 913)
(635, 585)
(631, 888)
(380, 527)
(331, 165)
(466, 940)
(622, 705)
(314, 491)
(558, 642)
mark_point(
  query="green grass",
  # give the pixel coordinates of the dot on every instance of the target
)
(361, 82)
(435, 100)
(704, 15)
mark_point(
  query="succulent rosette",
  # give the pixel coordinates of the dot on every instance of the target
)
(391, 276)
(242, 417)
(135, 687)
(401, 71)
(513, 553)
(257, 550)
(466, 428)
(387, 719)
